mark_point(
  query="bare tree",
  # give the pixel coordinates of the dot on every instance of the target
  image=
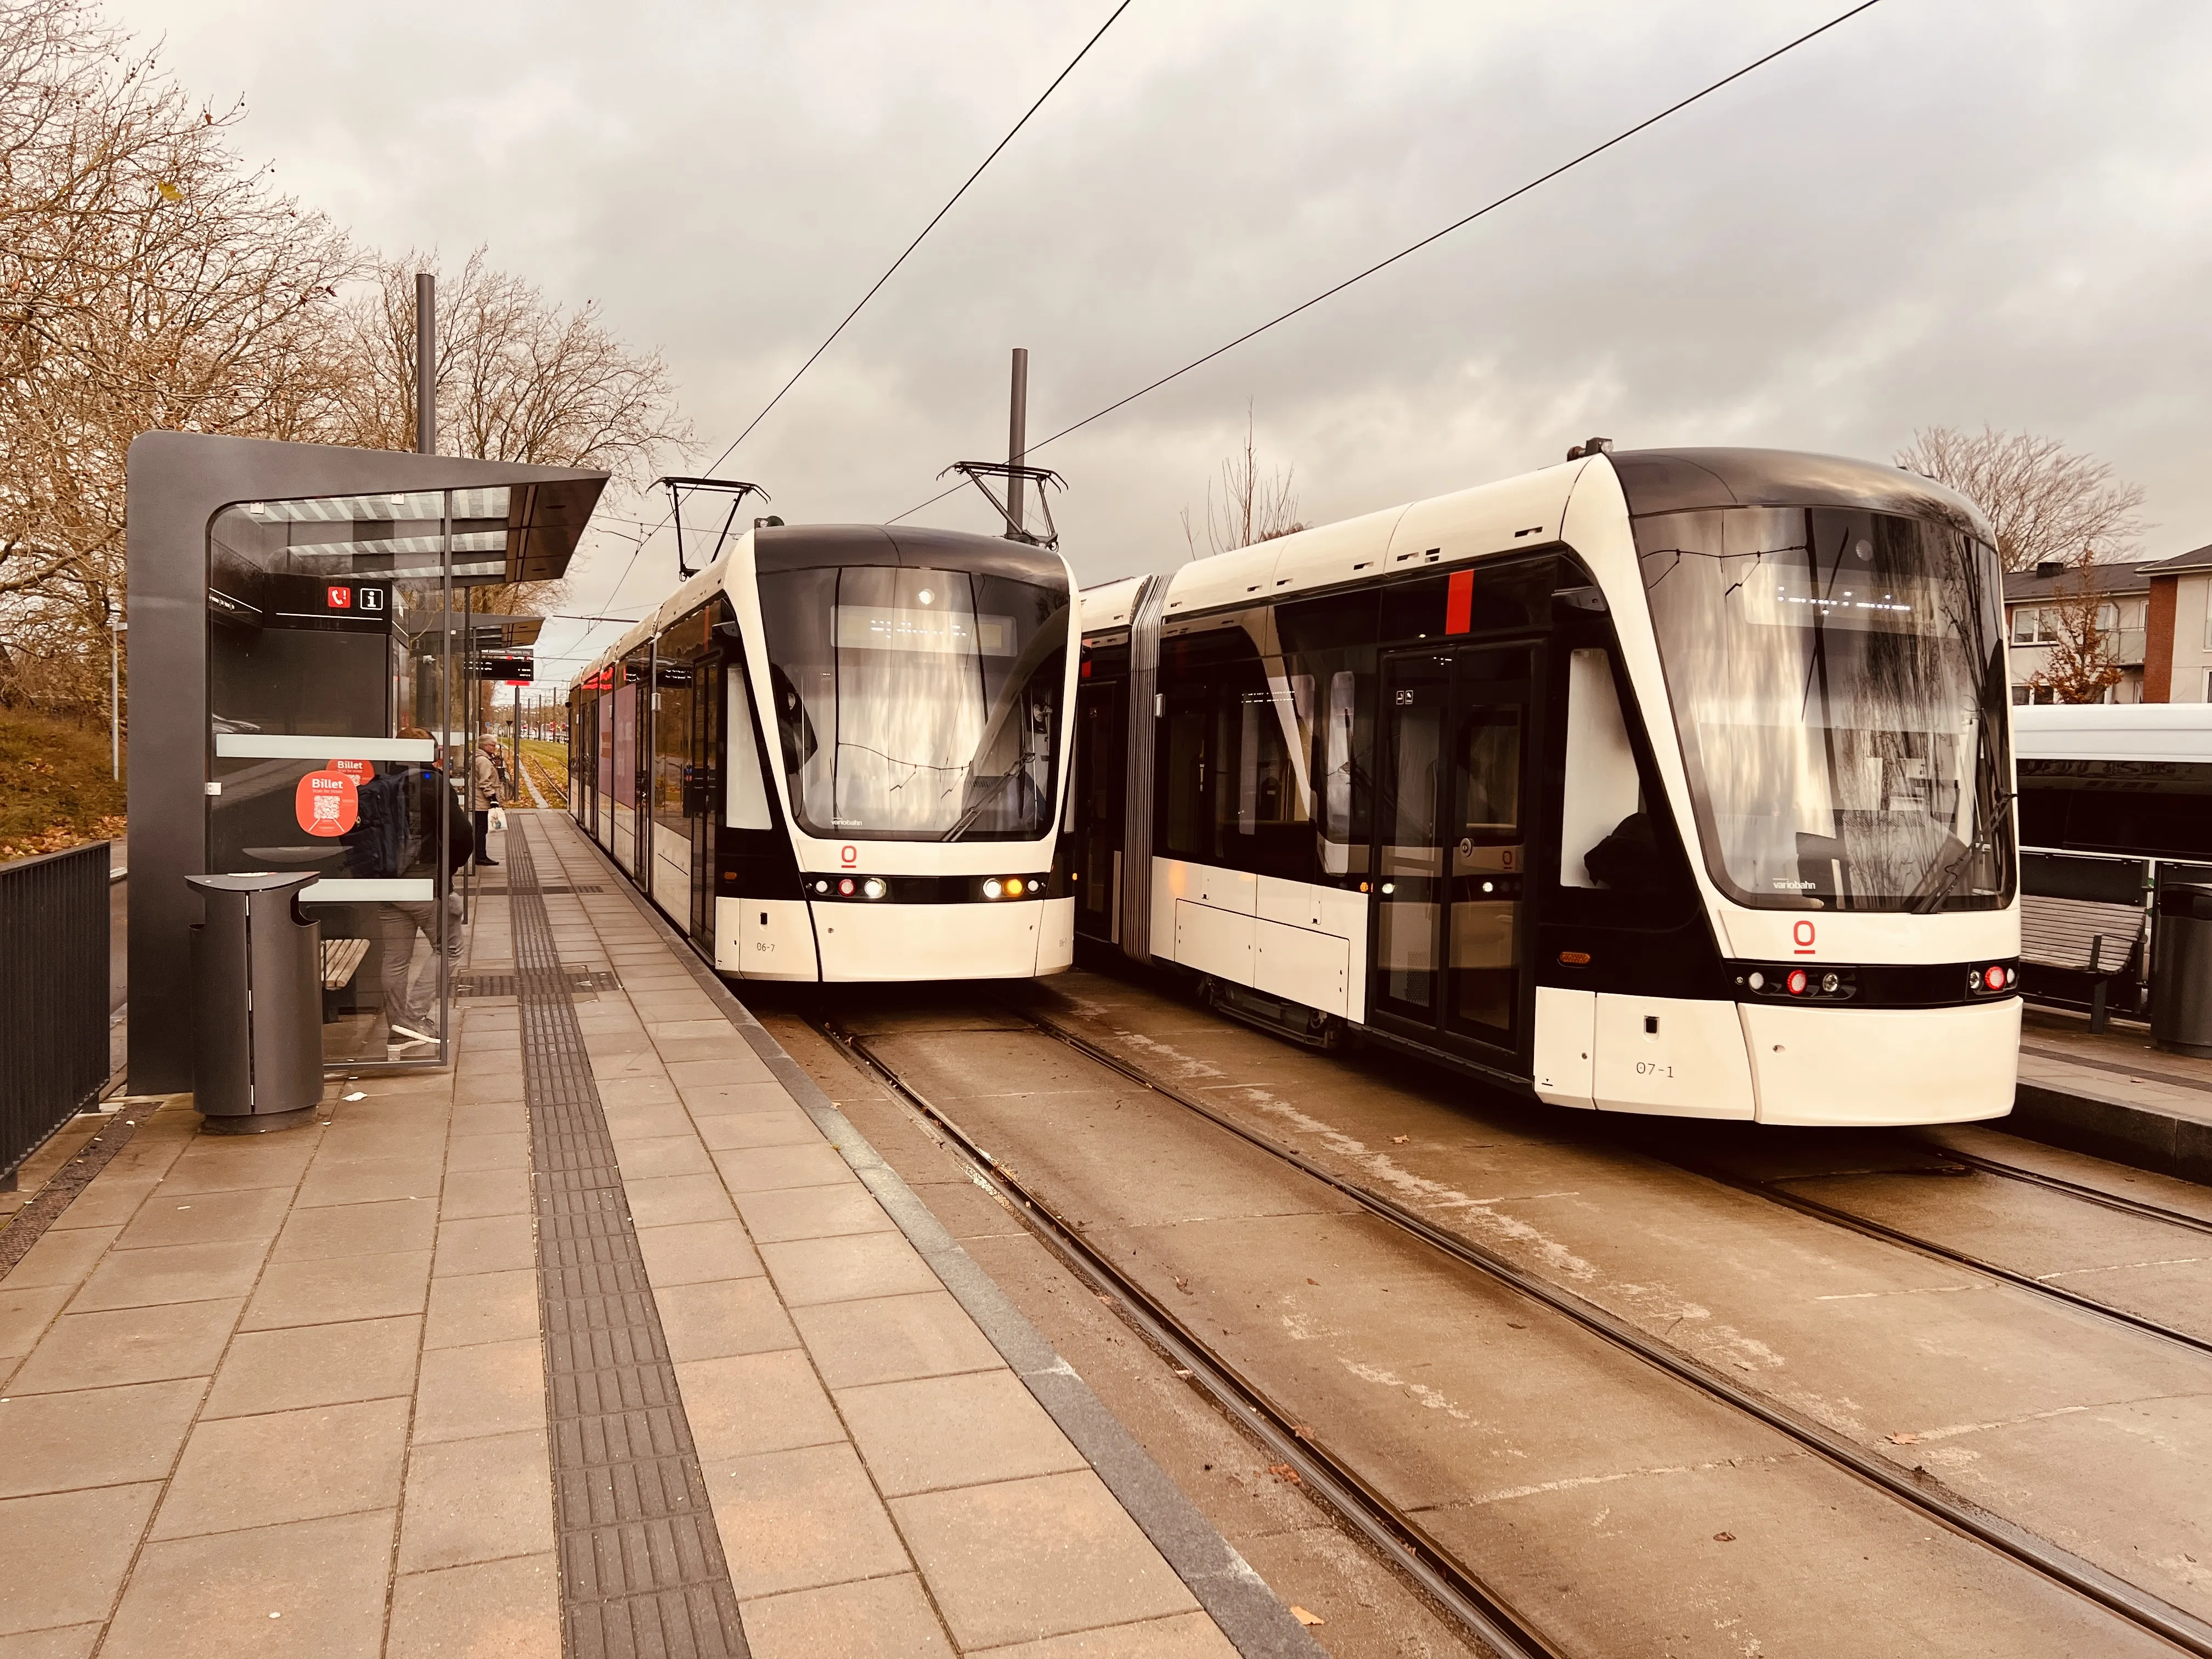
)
(519, 377)
(2044, 501)
(1252, 508)
(147, 279)
(2083, 662)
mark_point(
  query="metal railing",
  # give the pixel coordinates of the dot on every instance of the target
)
(53, 995)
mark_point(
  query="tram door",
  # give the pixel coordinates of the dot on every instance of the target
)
(1452, 930)
(702, 795)
(1101, 748)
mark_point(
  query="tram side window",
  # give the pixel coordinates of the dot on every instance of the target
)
(745, 800)
(1236, 791)
(1329, 644)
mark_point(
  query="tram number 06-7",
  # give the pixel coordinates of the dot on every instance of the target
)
(1653, 1068)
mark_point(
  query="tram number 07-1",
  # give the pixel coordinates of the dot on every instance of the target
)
(1653, 1068)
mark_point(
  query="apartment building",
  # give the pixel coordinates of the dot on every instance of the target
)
(2158, 613)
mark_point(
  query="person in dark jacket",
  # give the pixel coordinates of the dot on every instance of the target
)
(416, 811)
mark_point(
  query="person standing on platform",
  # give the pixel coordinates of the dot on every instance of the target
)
(487, 783)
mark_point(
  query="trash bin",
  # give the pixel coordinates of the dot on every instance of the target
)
(256, 1005)
(2181, 970)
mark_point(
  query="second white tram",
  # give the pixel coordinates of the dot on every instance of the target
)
(837, 753)
(1663, 782)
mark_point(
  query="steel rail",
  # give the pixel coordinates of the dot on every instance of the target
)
(1914, 1487)
(2139, 1207)
(1394, 1535)
(1837, 1216)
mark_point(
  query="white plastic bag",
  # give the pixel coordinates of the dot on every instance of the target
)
(499, 817)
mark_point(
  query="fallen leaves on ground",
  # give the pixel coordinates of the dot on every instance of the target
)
(1284, 1472)
(1305, 1618)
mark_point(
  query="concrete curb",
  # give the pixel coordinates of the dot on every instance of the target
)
(1248, 1612)
(2082, 1118)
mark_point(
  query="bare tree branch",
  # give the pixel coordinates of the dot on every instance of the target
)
(2046, 503)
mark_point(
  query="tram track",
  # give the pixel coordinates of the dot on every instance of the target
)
(1775, 1191)
(1914, 1488)
(1388, 1531)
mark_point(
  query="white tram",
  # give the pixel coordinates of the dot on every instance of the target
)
(1666, 782)
(836, 754)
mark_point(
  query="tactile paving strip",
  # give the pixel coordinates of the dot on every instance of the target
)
(581, 980)
(643, 1573)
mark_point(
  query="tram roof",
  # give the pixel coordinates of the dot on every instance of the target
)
(1688, 480)
(2174, 733)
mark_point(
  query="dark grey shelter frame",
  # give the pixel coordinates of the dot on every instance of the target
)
(177, 482)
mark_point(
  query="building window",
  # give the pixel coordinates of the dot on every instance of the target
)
(2019, 694)
(2033, 624)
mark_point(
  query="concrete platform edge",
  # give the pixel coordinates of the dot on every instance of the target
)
(2084, 1120)
(1239, 1601)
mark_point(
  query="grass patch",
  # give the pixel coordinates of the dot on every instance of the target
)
(55, 790)
(548, 765)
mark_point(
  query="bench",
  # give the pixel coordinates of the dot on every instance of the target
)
(342, 960)
(2084, 936)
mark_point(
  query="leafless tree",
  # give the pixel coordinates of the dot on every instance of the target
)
(1252, 508)
(2083, 664)
(2044, 501)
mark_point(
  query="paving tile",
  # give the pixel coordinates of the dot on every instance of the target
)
(315, 1366)
(813, 1213)
(477, 1500)
(874, 1618)
(771, 1169)
(215, 1166)
(663, 1201)
(615, 1068)
(661, 1120)
(84, 1541)
(472, 1307)
(322, 1293)
(844, 1269)
(485, 1192)
(668, 1028)
(171, 1273)
(211, 1597)
(61, 1258)
(484, 1244)
(1184, 1636)
(489, 1117)
(24, 1314)
(243, 1472)
(357, 1230)
(680, 1154)
(1023, 1559)
(963, 1431)
(620, 1096)
(206, 1217)
(745, 1067)
(76, 1642)
(132, 1345)
(713, 1099)
(737, 1131)
(93, 1437)
(757, 1403)
(113, 1199)
(730, 1316)
(369, 1180)
(495, 1610)
(510, 1150)
(791, 1520)
(494, 1388)
(726, 1049)
(892, 1339)
(695, 1252)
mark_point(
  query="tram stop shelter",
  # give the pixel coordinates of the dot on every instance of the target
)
(303, 640)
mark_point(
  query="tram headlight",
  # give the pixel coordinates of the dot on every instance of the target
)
(876, 887)
(822, 887)
(993, 888)
(1013, 887)
(1758, 981)
(1829, 982)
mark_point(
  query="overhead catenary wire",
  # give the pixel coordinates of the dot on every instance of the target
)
(1412, 248)
(891, 270)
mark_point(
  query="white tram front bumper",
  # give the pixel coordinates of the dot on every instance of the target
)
(853, 941)
(1844, 1067)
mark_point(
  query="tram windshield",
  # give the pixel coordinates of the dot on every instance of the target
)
(1838, 683)
(917, 705)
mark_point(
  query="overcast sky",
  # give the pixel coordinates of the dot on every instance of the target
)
(1946, 212)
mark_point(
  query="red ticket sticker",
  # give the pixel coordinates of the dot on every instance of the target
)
(360, 771)
(326, 803)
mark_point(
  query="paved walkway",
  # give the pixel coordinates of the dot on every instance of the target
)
(2058, 1050)
(288, 1394)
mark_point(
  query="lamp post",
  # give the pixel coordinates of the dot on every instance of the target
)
(115, 627)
